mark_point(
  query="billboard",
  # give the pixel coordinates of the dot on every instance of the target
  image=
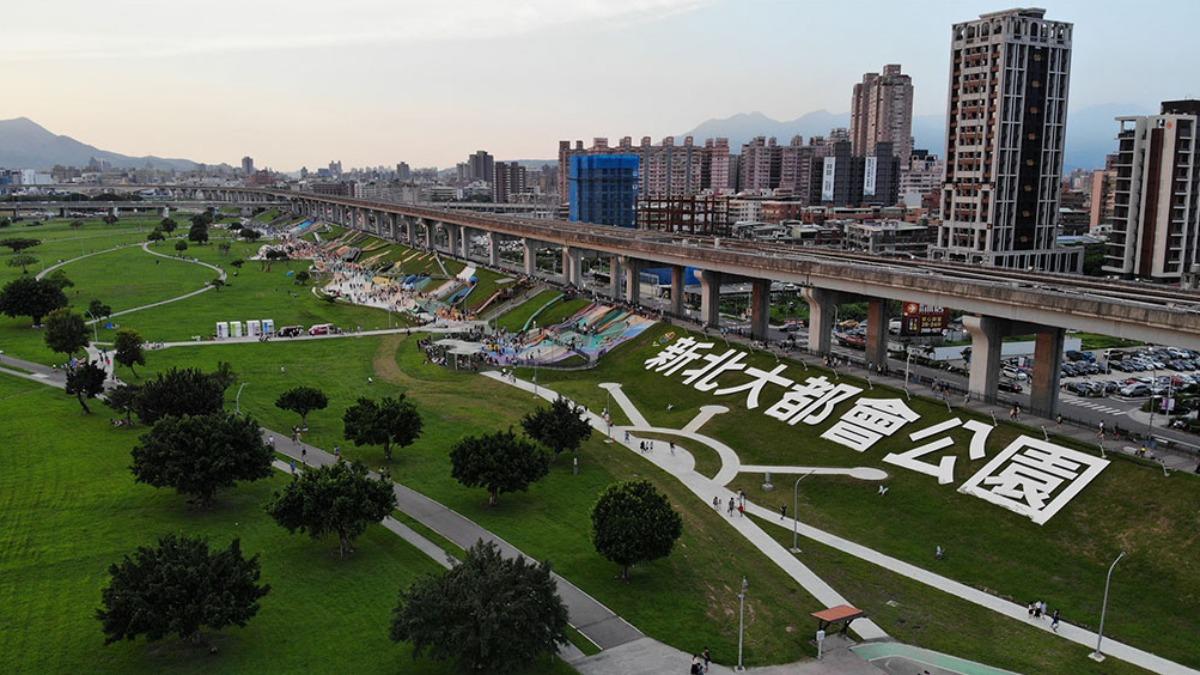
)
(869, 176)
(827, 178)
(918, 319)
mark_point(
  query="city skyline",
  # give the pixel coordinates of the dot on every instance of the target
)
(239, 90)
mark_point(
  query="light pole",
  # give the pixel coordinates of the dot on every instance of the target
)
(1098, 655)
(796, 513)
(742, 619)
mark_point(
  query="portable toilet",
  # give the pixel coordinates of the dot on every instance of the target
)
(253, 328)
(222, 330)
(268, 326)
(235, 329)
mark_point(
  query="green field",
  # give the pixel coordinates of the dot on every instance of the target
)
(516, 318)
(561, 311)
(1130, 506)
(684, 600)
(69, 508)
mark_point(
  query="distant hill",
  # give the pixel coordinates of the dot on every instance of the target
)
(25, 144)
(1090, 130)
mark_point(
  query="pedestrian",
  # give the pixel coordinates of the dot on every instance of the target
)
(672, 448)
(707, 658)
(782, 511)
(303, 455)
(1054, 621)
(293, 465)
(742, 497)
(1100, 433)
(271, 441)
(626, 435)
(695, 670)
(939, 553)
(717, 504)
(1030, 608)
(742, 510)
(732, 506)
(1037, 609)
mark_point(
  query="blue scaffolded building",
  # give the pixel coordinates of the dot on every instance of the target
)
(603, 189)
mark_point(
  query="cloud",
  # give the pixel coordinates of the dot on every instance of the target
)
(84, 29)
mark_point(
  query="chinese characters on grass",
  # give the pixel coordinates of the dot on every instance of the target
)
(1031, 477)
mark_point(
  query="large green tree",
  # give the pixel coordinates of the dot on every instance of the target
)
(66, 332)
(339, 499)
(98, 311)
(562, 426)
(498, 462)
(178, 588)
(18, 244)
(302, 400)
(180, 392)
(127, 349)
(488, 613)
(199, 454)
(22, 260)
(122, 398)
(392, 420)
(34, 298)
(168, 225)
(632, 522)
(85, 381)
(198, 233)
(155, 235)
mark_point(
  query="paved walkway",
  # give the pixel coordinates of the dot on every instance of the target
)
(681, 465)
(596, 622)
(648, 656)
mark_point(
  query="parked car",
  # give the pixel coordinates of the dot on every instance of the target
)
(1136, 390)
(321, 329)
(291, 331)
(1010, 386)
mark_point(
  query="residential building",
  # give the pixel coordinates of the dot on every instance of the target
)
(403, 172)
(507, 181)
(760, 164)
(667, 170)
(881, 112)
(1007, 113)
(1156, 213)
(849, 180)
(481, 166)
(247, 166)
(921, 179)
(1103, 193)
(603, 189)
(888, 237)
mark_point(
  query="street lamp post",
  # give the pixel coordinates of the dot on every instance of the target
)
(1098, 655)
(796, 513)
(742, 619)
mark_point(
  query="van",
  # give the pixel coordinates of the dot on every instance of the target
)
(321, 329)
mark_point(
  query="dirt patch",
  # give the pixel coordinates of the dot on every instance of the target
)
(384, 362)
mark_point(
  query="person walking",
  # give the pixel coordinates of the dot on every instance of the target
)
(303, 455)
(293, 465)
(1054, 620)
(782, 511)
(732, 506)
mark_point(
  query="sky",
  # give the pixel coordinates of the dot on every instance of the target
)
(374, 82)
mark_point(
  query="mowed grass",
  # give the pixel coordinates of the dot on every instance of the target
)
(1155, 596)
(516, 318)
(561, 311)
(69, 508)
(687, 600)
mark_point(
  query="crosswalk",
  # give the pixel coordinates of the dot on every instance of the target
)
(1093, 405)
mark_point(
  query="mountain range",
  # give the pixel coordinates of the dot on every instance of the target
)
(1091, 130)
(25, 144)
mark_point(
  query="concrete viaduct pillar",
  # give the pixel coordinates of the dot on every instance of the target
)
(530, 256)
(452, 233)
(410, 232)
(877, 334)
(822, 305)
(164, 212)
(614, 277)
(987, 335)
(572, 266)
(760, 308)
(1047, 368)
(677, 272)
(633, 280)
(710, 298)
(493, 249)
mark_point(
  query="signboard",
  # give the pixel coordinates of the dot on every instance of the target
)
(1030, 476)
(827, 179)
(918, 319)
(871, 165)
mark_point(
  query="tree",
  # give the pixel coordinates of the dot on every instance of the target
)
(85, 381)
(202, 219)
(234, 226)
(127, 349)
(34, 298)
(339, 499)
(560, 427)
(488, 613)
(180, 392)
(168, 225)
(22, 260)
(199, 454)
(59, 279)
(18, 244)
(302, 277)
(5, 221)
(302, 400)
(198, 233)
(250, 234)
(181, 246)
(98, 310)
(178, 588)
(391, 420)
(223, 248)
(499, 462)
(632, 522)
(155, 235)
(110, 219)
(66, 333)
(122, 398)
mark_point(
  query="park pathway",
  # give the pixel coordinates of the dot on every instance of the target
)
(705, 489)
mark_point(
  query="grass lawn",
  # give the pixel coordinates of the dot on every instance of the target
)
(516, 318)
(561, 311)
(687, 600)
(1130, 507)
(484, 288)
(69, 508)
(1097, 341)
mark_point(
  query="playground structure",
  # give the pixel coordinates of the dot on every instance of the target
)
(589, 333)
